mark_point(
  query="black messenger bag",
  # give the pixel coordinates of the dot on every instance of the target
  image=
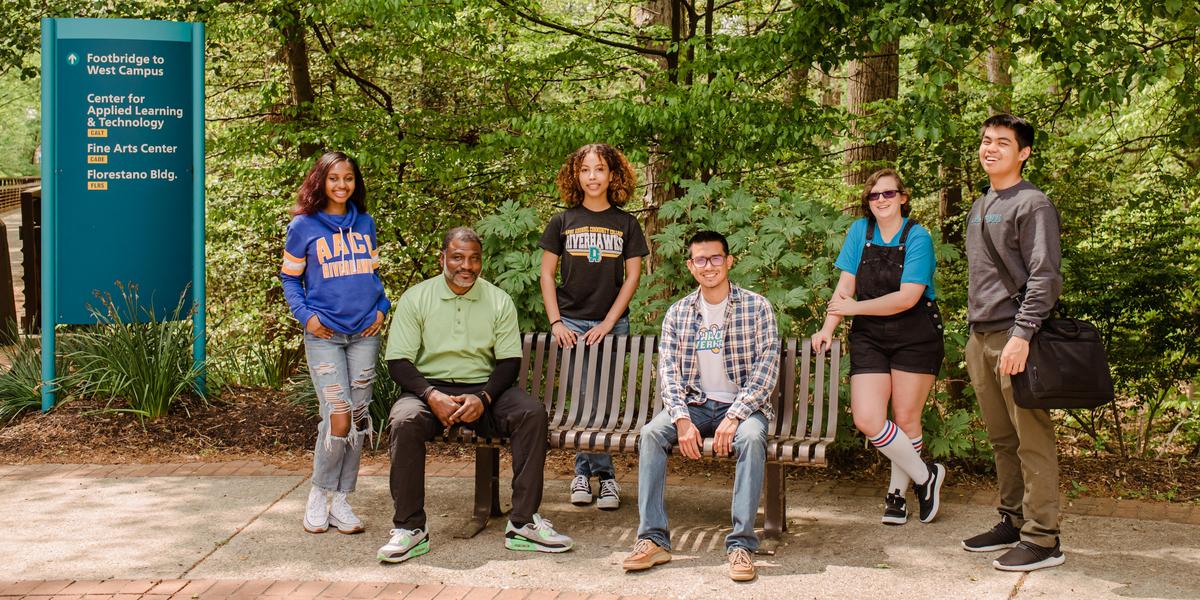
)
(1067, 366)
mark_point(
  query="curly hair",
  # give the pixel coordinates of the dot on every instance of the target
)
(620, 188)
(865, 207)
(311, 197)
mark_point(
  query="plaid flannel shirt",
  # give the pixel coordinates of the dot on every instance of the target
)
(751, 354)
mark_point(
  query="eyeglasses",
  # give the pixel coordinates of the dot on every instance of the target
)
(704, 261)
(889, 194)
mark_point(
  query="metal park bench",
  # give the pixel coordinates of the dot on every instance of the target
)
(599, 401)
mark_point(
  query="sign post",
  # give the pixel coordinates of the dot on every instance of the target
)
(122, 172)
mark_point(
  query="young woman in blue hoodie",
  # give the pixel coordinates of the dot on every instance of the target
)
(331, 281)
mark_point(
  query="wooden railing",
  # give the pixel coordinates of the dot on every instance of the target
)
(10, 190)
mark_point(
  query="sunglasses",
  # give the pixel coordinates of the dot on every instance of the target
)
(889, 194)
(704, 261)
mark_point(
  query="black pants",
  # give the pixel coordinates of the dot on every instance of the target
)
(514, 415)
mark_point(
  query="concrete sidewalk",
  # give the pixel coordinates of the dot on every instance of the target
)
(238, 535)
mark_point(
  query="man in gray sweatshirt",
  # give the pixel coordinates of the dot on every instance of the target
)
(1024, 227)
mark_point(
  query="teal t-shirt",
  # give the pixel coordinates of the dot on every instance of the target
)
(919, 260)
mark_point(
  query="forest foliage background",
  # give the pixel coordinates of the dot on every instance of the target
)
(754, 117)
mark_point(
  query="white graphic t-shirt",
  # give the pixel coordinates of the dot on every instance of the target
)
(710, 352)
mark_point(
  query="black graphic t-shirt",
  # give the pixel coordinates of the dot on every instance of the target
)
(592, 249)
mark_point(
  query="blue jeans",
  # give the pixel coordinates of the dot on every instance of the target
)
(331, 363)
(750, 448)
(594, 463)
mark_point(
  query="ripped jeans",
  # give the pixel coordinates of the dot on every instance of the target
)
(343, 373)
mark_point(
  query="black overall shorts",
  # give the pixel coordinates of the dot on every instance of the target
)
(909, 341)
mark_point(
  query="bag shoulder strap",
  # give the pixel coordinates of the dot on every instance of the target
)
(1006, 277)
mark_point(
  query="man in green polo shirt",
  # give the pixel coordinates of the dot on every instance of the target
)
(455, 349)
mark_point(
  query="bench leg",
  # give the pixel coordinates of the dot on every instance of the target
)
(775, 522)
(487, 491)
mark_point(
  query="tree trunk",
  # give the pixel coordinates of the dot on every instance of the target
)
(999, 61)
(950, 209)
(665, 13)
(296, 52)
(874, 77)
(950, 173)
(831, 92)
(797, 86)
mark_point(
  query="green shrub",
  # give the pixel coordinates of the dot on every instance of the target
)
(258, 362)
(21, 384)
(514, 260)
(132, 356)
(784, 247)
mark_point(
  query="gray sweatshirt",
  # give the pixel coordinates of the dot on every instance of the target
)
(1024, 226)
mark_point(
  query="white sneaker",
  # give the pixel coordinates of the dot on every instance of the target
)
(316, 515)
(404, 544)
(610, 497)
(581, 491)
(538, 536)
(342, 517)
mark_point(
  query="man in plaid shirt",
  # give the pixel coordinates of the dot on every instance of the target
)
(718, 361)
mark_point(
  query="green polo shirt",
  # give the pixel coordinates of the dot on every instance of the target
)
(450, 337)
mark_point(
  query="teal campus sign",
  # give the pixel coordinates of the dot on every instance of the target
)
(122, 171)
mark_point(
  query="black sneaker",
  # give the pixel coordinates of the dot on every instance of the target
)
(1002, 536)
(581, 491)
(929, 494)
(896, 511)
(1028, 556)
(610, 496)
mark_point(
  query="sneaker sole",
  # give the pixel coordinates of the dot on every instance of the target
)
(660, 559)
(604, 504)
(937, 494)
(581, 499)
(743, 576)
(345, 528)
(312, 529)
(894, 520)
(992, 548)
(528, 546)
(418, 550)
(1052, 561)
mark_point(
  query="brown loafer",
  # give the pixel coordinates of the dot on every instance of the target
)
(741, 565)
(645, 554)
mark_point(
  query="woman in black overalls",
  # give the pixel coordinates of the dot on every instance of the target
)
(887, 265)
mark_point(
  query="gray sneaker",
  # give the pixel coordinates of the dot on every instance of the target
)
(405, 544)
(538, 536)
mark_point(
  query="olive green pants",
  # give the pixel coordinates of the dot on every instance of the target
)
(1023, 441)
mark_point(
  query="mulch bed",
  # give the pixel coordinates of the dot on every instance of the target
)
(258, 424)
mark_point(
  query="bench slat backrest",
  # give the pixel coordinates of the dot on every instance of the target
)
(623, 369)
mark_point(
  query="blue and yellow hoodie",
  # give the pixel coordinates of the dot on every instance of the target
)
(330, 269)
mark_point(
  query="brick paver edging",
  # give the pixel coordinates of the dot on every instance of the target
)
(163, 589)
(1085, 506)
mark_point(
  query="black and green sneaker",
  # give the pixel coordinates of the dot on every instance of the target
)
(405, 544)
(538, 536)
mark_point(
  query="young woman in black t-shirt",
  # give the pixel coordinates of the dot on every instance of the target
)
(599, 248)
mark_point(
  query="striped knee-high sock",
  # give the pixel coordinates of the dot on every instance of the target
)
(895, 445)
(900, 479)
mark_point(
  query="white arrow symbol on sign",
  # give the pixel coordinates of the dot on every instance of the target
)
(72, 59)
